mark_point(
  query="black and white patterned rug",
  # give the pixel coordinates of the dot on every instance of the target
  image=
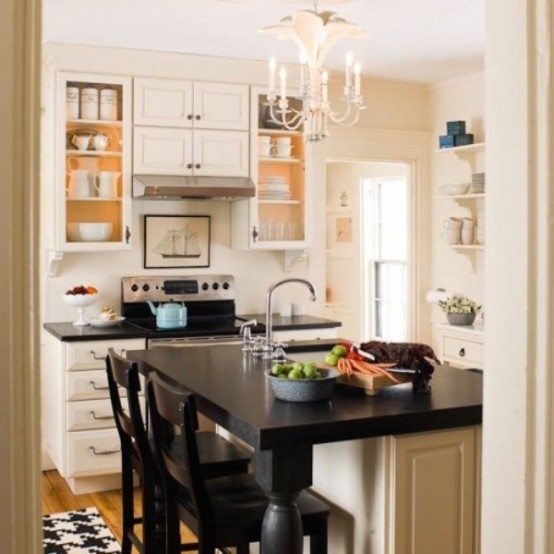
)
(77, 532)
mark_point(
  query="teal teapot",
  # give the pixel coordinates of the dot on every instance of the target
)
(169, 315)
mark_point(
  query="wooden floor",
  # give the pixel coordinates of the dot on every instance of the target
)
(57, 497)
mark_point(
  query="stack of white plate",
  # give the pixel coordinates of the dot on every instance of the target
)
(273, 188)
(477, 183)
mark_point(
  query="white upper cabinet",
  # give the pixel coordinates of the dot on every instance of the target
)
(92, 162)
(190, 128)
(176, 103)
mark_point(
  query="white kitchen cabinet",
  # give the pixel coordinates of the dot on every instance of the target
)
(79, 432)
(460, 346)
(416, 493)
(305, 334)
(78, 172)
(279, 216)
(190, 128)
(432, 492)
(173, 151)
(188, 104)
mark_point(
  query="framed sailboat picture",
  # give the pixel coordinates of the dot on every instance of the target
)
(175, 241)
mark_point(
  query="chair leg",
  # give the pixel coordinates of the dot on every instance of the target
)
(148, 515)
(127, 504)
(318, 541)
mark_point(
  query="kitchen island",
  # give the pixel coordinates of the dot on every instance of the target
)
(426, 445)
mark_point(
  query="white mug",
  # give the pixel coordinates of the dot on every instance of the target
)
(72, 103)
(451, 236)
(452, 223)
(101, 142)
(79, 184)
(297, 309)
(467, 235)
(283, 150)
(105, 183)
(266, 149)
(81, 142)
(285, 309)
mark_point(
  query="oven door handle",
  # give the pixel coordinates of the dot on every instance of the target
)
(194, 341)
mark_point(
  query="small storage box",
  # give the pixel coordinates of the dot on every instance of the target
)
(456, 127)
(446, 141)
(463, 140)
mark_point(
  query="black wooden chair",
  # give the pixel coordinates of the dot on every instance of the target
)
(225, 512)
(218, 456)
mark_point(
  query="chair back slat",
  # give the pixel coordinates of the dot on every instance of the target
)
(174, 418)
(123, 374)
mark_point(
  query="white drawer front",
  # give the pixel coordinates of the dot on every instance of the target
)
(463, 351)
(93, 414)
(92, 354)
(93, 452)
(87, 385)
(306, 334)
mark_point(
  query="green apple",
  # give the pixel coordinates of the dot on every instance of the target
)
(310, 370)
(277, 369)
(339, 350)
(298, 365)
(331, 359)
(295, 374)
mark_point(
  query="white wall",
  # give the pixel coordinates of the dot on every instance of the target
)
(459, 99)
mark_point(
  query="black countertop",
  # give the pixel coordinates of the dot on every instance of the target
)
(233, 391)
(66, 331)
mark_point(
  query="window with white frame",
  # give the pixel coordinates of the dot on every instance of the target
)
(386, 245)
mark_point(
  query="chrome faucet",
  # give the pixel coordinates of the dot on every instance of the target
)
(269, 307)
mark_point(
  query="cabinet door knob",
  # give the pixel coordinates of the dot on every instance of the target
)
(189, 166)
(127, 234)
(198, 117)
(255, 233)
(462, 352)
(189, 116)
(197, 166)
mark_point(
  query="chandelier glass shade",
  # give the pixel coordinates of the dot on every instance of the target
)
(314, 33)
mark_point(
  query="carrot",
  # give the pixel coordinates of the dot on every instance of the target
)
(375, 369)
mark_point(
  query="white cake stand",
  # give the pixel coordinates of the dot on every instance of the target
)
(80, 301)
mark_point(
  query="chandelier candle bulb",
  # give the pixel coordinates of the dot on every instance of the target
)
(324, 89)
(357, 83)
(283, 78)
(349, 60)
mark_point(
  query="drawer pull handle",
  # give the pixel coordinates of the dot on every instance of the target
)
(96, 387)
(104, 452)
(93, 353)
(462, 352)
(100, 418)
(102, 358)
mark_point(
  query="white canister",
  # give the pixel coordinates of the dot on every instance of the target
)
(108, 104)
(72, 103)
(89, 103)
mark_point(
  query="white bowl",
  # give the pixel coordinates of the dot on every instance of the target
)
(454, 189)
(89, 232)
(79, 300)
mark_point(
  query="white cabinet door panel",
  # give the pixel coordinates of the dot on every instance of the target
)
(221, 153)
(162, 151)
(221, 106)
(163, 102)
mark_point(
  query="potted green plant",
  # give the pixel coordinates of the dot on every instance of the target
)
(459, 310)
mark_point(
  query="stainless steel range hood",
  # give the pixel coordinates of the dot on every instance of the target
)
(178, 187)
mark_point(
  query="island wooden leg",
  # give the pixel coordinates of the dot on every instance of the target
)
(283, 473)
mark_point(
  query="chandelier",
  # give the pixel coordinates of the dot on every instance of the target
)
(314, 33)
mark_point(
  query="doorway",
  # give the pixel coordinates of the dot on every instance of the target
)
(368, 276)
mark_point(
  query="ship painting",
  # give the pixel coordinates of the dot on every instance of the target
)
(179, 243)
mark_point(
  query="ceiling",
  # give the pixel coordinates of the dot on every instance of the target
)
(421, 41)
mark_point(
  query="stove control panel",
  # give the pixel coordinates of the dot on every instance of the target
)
(178, 288)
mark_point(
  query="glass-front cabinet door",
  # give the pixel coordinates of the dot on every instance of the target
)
(277, 218)
(93, 169)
